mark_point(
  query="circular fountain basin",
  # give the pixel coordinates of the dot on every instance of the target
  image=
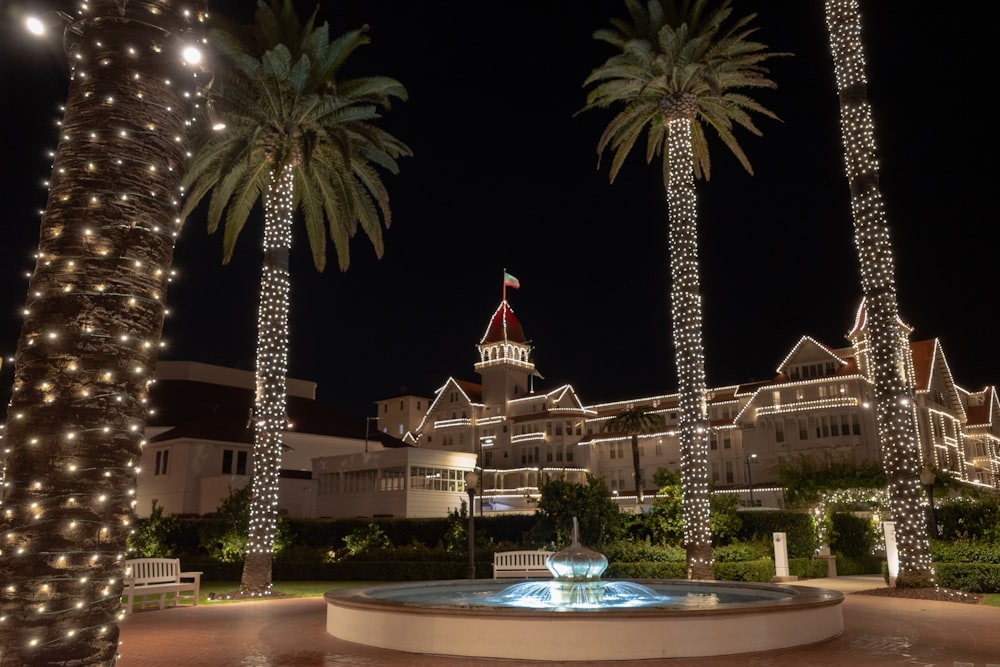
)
(694, 619)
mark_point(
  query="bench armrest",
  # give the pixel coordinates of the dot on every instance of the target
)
(195, 576)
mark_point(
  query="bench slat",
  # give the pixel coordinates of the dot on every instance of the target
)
(520, 564)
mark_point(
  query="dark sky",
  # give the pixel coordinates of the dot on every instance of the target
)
(504, 176)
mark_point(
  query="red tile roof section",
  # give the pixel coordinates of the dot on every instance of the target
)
(504, 326)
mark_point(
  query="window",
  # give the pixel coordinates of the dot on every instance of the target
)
(659, 449)
(779, 430)
(729, 472)
(162, 462)
(803, 429)
(727, 443)
(227, 462)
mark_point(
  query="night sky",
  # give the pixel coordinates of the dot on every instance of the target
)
(504, 176)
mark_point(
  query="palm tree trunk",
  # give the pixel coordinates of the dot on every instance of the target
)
(888, 350)
(636, 469)
(685, 297)
(89, 340)
(270, 418)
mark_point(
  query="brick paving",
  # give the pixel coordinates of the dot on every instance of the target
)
(878, 631)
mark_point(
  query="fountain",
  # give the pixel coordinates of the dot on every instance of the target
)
(579, 616)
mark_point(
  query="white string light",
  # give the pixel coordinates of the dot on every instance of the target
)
(92, 321)
(888, 347)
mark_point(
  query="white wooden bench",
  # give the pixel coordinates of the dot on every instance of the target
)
(520, 564)
(148, 577)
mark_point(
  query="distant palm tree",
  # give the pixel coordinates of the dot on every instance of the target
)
(303, 139)
(90, 335)
(635, 422)
(679, 70)
(887, 347)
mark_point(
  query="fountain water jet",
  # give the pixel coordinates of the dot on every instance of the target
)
(579, 616)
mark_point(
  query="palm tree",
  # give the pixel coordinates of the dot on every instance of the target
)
(92, 324)
(887, 347)
(302, 138)
(635, 422)
(678, 71)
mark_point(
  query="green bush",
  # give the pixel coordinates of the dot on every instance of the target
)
(646, 570)
(743, 551)
(153, 536)
(807, 568)
(968, 519)
(634, 552)
(799, 529)
(753, 570)
(848, 565)
(965, 552)
(970, 577)
(851, 535)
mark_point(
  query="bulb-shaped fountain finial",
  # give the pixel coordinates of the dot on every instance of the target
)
(576, 562)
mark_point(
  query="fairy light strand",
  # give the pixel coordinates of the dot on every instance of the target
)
(90, 333)
(686, 309)
(888, 350)
(270, 418)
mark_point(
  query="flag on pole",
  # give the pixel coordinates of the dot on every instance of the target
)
(511, 281)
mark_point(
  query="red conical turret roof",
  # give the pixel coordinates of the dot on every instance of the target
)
(504, 326)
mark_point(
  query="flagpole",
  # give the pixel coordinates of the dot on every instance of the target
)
(504, 281)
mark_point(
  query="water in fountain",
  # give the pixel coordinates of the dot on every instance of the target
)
(576, 584)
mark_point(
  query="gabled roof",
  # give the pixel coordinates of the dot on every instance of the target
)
(931, 370)
(803, 347)
(861, 321)
(985, 413)
(504, 326)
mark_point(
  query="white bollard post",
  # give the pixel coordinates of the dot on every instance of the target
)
(891, 554)
(781, 558)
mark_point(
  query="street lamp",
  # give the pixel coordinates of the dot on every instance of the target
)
(750, 459)
(471, 481)
(927, 478)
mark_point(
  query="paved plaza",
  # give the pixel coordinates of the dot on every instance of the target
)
(878, 631)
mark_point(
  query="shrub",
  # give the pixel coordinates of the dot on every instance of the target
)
(851, 535)
(970, 577)
(743, 551)
(752, 570)
(807, 568)
(965, 552)
(153, 535)
(971, 519)
(799, 529)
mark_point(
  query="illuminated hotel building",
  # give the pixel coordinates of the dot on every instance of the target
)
(818, 405)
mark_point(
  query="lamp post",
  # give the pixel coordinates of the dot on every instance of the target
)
(750, 459)
(927, 478)
(471, 481)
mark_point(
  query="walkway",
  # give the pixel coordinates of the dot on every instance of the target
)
(878, 631)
